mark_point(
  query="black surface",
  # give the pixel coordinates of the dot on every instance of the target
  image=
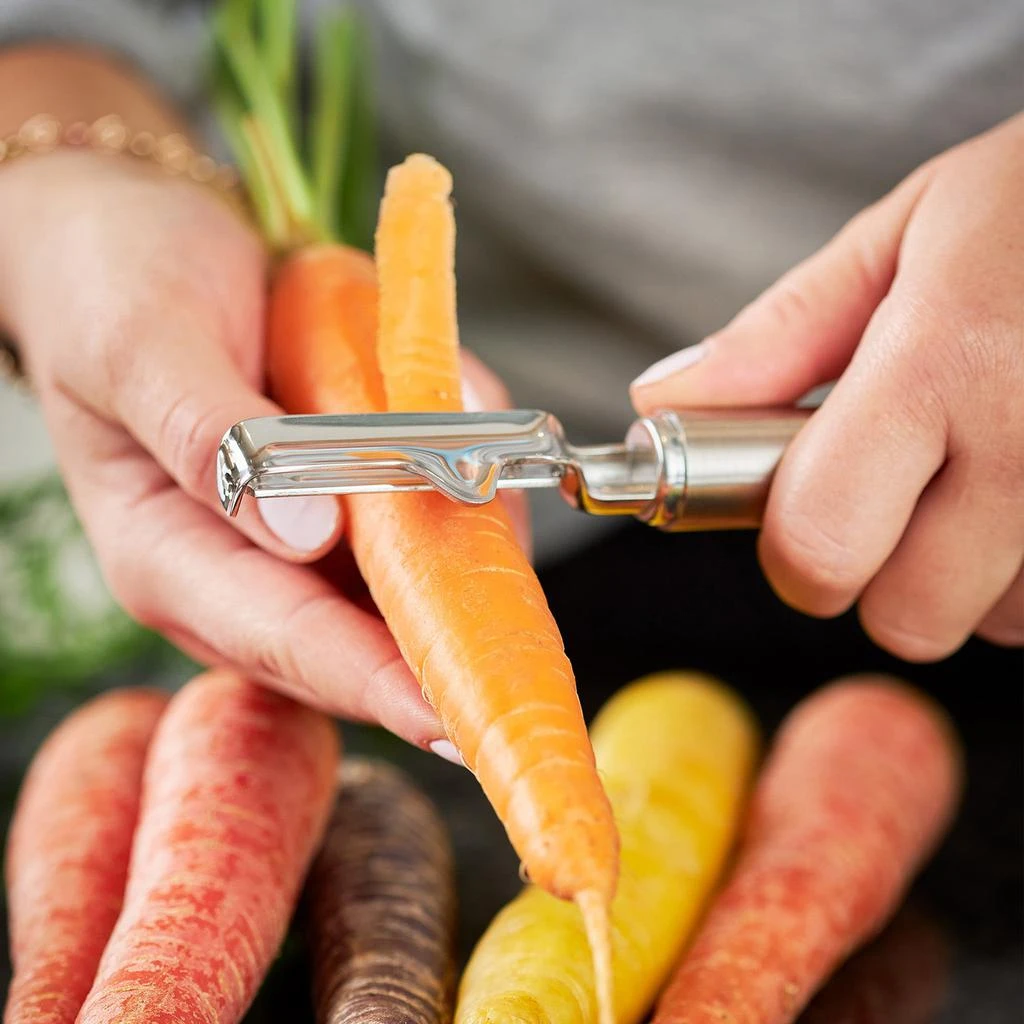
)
(640, 602)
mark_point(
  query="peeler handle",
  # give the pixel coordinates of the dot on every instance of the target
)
(716, 467)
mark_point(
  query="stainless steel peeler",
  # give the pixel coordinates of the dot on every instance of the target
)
(675, 470)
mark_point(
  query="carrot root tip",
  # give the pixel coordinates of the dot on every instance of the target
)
(597, 925)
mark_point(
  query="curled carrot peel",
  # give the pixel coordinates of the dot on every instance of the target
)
(418, 345)
(68, 851)
(859, 786)
(237, 788)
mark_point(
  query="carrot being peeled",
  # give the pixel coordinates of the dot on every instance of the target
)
(68, 851)
(859, 786)
(381, 895)
(236, 792)
(322, 332)
(418, 346)
(461, 598)
(457, 592)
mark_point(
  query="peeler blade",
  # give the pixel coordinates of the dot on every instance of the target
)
(466, 456)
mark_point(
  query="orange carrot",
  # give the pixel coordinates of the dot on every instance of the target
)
(418, 343)
(68, 850)
(236, 793)
(464, 604)
(860, 785)
(456, 591)
(322, 330)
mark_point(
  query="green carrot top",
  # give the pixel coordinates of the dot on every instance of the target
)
(312, 182)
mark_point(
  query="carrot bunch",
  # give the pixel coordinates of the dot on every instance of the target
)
(858, 787)
(157, 851)
(458, 593)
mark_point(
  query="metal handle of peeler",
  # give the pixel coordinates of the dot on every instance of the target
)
(715, 467)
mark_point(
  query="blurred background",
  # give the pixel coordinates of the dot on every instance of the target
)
(572, 282)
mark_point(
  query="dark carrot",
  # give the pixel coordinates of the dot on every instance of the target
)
(860, 784)
(456, 590)
(236, 792)
(381, 905)
(68, 850)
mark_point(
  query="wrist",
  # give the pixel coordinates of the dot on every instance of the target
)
(79, 84)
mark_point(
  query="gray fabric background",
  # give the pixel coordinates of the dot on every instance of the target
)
(630, 172)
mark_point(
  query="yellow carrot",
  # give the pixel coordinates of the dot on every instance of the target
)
(676, 752)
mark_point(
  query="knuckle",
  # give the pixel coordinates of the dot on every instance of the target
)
(375, 697)
(945, 342)
(788, 303)
(806, 550)
(187, 440)
(273, 654)
(914, 642)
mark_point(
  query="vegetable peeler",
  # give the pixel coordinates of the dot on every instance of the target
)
(679, 471)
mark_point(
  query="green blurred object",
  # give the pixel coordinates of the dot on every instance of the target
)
(59, 625)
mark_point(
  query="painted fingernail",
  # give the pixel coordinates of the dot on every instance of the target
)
(675, 363)
(471, 400)
(304, 524)
(446, 749)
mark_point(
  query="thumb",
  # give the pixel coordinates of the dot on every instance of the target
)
(173, 383)
(802, 331)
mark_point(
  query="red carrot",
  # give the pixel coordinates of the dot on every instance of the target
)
(68, 851)
(860, 785)
(236, 792)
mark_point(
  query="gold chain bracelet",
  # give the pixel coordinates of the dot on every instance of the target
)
(172, 152)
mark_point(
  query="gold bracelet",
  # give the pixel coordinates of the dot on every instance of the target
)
(44, 133)
(109, 134)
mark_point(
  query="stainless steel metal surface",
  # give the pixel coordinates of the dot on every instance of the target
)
(717, 465)
(468, 457)
(675, 470)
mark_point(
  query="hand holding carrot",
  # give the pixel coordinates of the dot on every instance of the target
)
(137, 303)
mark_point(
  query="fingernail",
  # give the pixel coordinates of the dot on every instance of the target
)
(675, 363)
(304, 524)
(446, 749)
(471, 400)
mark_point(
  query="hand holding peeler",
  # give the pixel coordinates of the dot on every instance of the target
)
(679, 471)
